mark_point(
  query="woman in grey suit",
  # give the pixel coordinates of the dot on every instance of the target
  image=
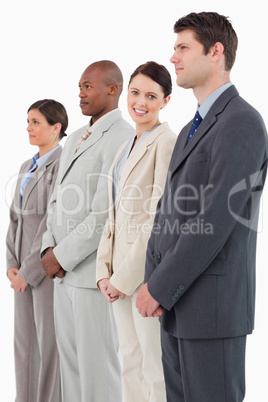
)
(36, 356)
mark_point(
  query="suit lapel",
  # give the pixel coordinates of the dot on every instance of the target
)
(182, 149)
(96, 135)
(37, 177)
(138, 154)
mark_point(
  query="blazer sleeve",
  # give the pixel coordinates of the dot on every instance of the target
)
(11, 258)
(31, 271)
(238, 163)
(130, 274)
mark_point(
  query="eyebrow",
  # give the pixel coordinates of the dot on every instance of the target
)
(149, 92)
(84, 83)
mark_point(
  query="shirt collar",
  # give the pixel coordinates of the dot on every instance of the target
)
(208, 102)
(92, 127)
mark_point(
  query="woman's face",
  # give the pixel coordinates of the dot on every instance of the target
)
(145, 99)
(41, 133)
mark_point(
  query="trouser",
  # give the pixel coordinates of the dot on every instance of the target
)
(36, 354)
(87, 342)
(204, 370)
(139, 342)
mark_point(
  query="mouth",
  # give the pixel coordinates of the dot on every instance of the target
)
(81, 104)
(139, 112)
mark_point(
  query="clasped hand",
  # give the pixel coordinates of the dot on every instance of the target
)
(109, 291)
(51, 266)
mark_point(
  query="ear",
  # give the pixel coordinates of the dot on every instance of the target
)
(57, 128)
(113, 89)
(217, 51)
(165, 101)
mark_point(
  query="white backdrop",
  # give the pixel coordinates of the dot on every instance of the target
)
(45, 46)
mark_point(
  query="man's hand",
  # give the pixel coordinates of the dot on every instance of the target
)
(60, 274)
(50, 264)
(146, 304)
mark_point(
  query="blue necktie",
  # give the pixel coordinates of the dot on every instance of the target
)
(196, 121)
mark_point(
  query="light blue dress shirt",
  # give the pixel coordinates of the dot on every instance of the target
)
(206, 105)
(37, 163)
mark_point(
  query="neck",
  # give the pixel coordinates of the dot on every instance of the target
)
(140, 128)
(202, 92)
(103, 113)
(44, 150)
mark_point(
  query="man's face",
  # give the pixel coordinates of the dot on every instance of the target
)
(94, 93)
(192, 66)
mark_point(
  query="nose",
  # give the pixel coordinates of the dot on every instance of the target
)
(141, 100)
(81, 93)
(28, 128)
(173, 58)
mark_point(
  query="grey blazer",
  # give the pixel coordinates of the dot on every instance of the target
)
(201, 255)
(79, 206)
(28, 219)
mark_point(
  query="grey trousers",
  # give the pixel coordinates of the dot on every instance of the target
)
(36, 354)
(87, 342)
(204, 370)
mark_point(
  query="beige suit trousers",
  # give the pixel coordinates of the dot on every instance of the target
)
(140, 348)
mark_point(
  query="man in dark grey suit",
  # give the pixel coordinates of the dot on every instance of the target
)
(200, 267)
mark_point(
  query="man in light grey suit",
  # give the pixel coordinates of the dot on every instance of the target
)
(85, 330)
(200, 267)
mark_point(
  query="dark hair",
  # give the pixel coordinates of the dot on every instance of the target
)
(157, 73)
(209, 28)
(54, 112)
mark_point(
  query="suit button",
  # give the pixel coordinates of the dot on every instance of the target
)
(163, 222)
(158, 255)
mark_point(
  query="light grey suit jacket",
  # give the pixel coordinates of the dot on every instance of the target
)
(201, 255)
(79, 206)
(28, 219)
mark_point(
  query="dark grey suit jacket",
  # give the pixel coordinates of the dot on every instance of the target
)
(201, 254)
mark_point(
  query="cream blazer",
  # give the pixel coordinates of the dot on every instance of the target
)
(122, 250)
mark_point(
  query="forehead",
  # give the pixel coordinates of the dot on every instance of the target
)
(145, 84)
(92, 75)
(35, 114)
(186, 37)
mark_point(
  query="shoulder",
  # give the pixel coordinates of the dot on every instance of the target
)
(165, 135)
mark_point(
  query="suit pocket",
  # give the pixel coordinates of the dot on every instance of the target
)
(217, 267)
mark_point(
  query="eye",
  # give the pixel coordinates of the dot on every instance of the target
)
(88, 86)
(36, 122)
(151, 97)
(134, 92)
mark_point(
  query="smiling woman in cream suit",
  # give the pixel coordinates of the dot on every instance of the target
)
(139, 174)
(36, 355)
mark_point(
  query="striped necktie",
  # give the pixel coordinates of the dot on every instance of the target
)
(83, 139)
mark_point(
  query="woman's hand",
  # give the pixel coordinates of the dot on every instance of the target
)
(109, 291)
(17, 283)
(11, 273)
(114, 293)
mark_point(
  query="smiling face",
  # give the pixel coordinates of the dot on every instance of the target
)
(145, 99)
(41, 133)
